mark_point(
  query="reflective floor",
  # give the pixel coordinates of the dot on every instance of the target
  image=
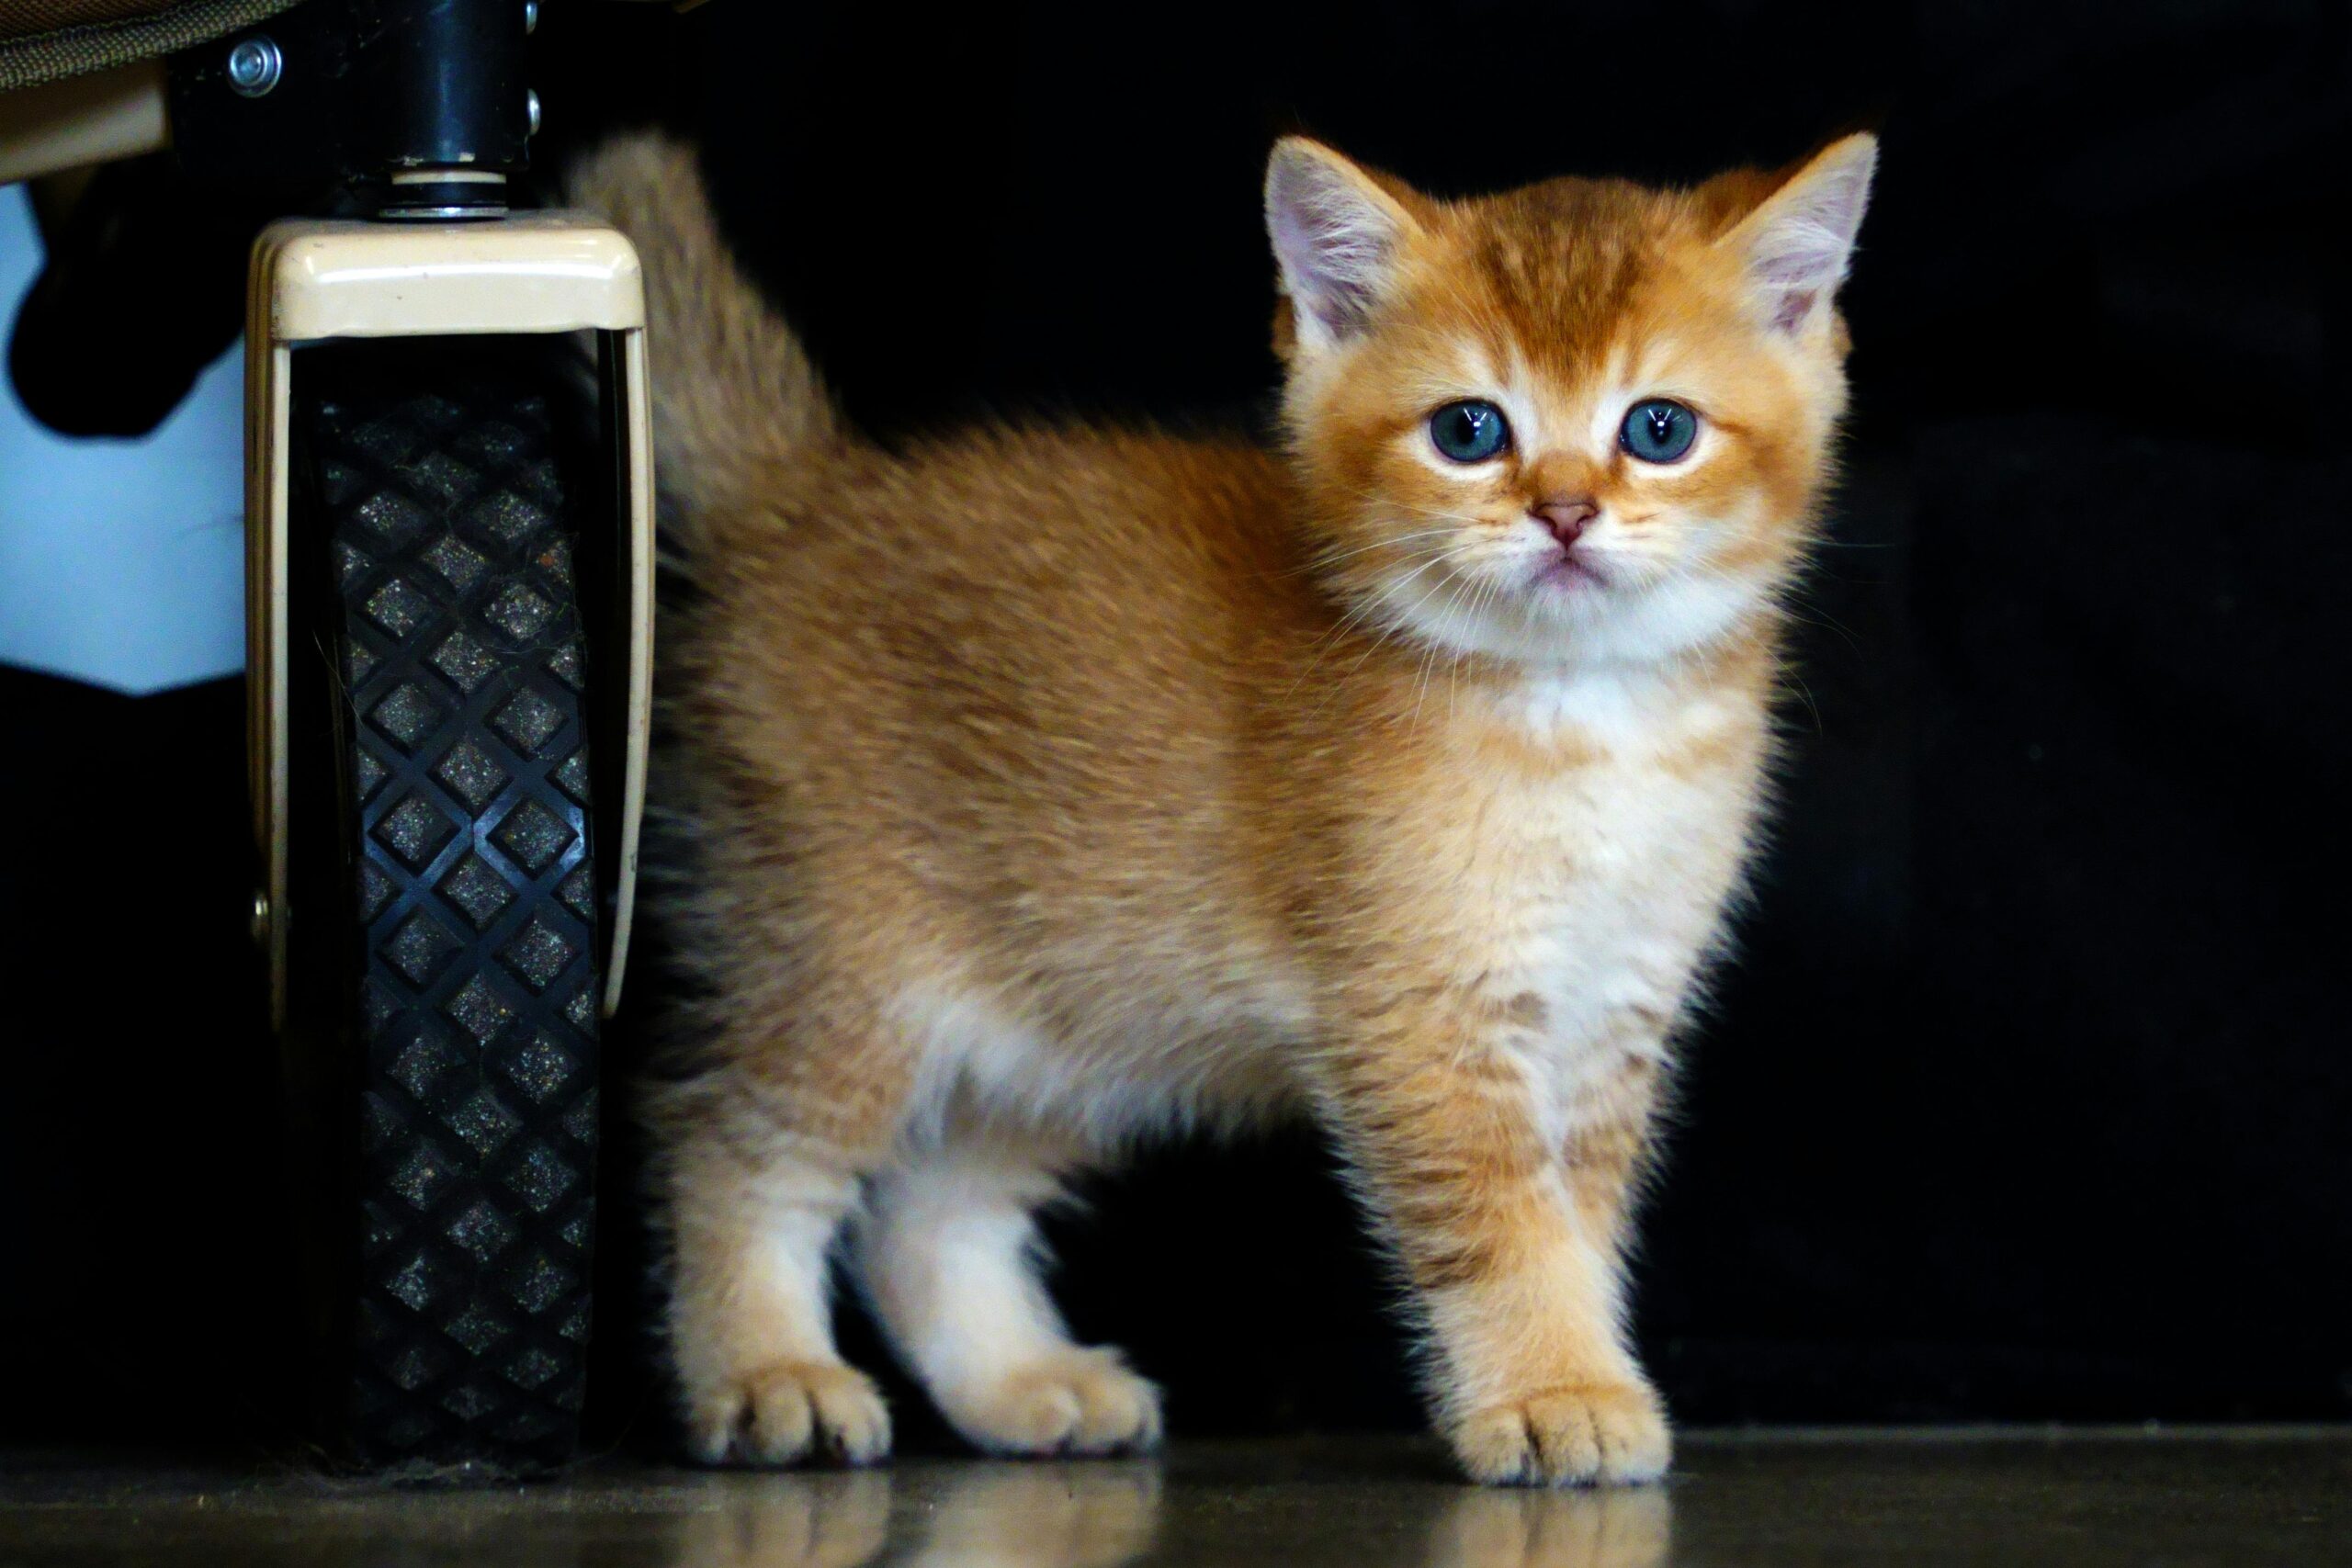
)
(2238, 1498)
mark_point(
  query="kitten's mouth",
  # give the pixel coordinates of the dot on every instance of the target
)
(1570, 572)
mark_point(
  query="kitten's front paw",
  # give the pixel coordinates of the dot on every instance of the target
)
(1084, 1402)
(1606, 1434)
(791, 1413)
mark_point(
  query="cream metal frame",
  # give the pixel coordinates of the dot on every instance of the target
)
(312, 281)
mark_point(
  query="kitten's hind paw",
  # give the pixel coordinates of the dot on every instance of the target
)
(1604, 1434)
(791, 1413)
(1083, 1402)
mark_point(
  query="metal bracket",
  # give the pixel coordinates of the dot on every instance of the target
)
(314, 280)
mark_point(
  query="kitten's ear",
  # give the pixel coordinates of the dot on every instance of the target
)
(1798, 241)
(1336, 235)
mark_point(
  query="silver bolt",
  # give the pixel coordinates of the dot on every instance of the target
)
(255, 66)
(530, 16)
(261, 920)
(532, 101)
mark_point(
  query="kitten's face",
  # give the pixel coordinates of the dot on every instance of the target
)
(1577, 422)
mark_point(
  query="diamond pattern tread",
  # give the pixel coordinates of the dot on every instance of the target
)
(464, 661)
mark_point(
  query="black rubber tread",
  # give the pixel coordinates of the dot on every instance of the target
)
(440, 486)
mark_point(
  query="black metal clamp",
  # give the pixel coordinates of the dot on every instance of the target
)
(401, 109)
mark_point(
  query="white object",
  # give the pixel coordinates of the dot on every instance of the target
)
(121, 561)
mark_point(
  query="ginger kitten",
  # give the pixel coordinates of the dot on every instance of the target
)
(1052, 789)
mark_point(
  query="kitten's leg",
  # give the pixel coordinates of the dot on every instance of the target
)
(757, 1187)
(950, 1257)
(1512, 1245)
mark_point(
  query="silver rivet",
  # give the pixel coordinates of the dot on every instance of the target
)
(530, 16)
(531, 100)
(261, 920)
(255, 66)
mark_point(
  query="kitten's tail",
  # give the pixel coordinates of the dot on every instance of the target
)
(733, 390)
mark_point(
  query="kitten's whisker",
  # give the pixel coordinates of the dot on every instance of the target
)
(1444, 515)
(1390, 629)
(1487, 593)
(1806, 692)
(1333, 556)
(1794, 599)
(1402, 621)
(1331, 639)
(1437, 647)
(1429, 662)
(1324, 643)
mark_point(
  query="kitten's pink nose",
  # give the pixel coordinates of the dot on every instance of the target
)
(1567, 519)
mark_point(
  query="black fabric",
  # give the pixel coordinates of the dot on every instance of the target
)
(2026, 1098)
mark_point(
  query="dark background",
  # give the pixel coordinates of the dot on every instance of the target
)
(2027, 1097)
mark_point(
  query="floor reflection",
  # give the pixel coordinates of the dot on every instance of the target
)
(793, 1521)
(2280, 1498)
(1082, 1514)
(1619, 1527)
(981, 1516)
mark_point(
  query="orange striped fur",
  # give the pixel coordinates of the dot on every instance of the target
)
(1055, 788)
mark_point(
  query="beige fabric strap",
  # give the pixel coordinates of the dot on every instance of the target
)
(97, 46)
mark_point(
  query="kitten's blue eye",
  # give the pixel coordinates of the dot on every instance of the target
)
(1469, 431)
(1658, 431)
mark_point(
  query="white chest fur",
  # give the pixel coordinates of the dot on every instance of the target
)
(1599, 889)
